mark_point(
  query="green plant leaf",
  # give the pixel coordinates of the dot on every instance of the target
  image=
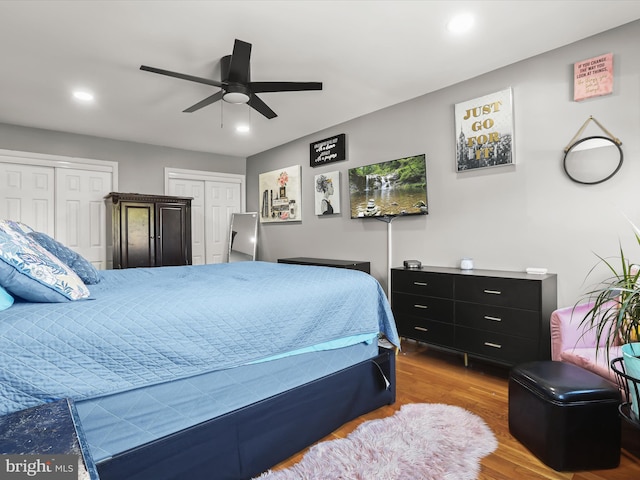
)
(614, 315)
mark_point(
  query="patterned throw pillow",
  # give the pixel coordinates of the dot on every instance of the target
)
(19, 226)
(73, 260)
(29, 271)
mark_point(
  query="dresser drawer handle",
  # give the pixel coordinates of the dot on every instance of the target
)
(421, 306)
(494, 345)
(420, 284)
(493, 292)
(422, 329)
(494, 319)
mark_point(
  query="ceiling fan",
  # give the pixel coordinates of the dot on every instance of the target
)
(236, 85)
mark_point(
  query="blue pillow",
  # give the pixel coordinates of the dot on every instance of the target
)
(19, 226)
(6, 300)
(29, 271)
(76, 262)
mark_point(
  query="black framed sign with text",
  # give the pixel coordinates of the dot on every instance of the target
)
(329, 150)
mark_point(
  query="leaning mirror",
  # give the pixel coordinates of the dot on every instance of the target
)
(243, 237)
(592, 160)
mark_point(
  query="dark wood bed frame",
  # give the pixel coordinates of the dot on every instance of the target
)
(249, 441)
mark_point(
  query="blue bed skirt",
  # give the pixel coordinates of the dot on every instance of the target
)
(244, 443)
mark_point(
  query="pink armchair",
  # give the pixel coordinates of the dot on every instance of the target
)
(574, 344)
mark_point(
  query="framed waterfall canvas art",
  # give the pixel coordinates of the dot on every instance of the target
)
(484, 132)
(280, 195)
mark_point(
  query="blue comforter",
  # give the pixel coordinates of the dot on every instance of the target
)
(152, 325)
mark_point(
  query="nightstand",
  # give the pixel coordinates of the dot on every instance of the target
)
(324, 262)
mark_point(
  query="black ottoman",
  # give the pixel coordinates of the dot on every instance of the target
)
(565, 415)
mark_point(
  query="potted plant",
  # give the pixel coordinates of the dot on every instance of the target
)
(615, 315)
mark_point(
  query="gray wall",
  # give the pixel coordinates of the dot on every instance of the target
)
(506, 218)
(140, 166)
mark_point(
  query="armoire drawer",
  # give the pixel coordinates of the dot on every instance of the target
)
(505, 292)
(425, 330)
(422, 283)
(504, 348)
(508, 321)
(440, 309)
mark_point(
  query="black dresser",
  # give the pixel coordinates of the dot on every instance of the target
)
(494, 315)
(325, 262)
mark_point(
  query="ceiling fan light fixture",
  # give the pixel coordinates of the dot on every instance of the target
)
(235, 97)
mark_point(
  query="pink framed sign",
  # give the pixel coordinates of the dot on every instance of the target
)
(593, 77)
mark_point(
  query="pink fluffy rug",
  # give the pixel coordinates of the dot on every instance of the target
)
(421, 441)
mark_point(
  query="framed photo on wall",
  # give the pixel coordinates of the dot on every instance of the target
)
(327, 196)
(280, 198)
(485, 132)
(593, 77)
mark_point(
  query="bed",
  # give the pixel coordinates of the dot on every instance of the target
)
(213, 371)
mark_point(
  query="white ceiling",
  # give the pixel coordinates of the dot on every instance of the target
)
(368, 54)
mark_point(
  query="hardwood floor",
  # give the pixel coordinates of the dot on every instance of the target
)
(426, 375)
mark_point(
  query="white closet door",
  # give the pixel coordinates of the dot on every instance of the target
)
(195, 189)
(221, 200)
(27, 195)
(215, 197)
(81, 213)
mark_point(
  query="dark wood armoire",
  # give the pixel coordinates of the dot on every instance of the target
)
(148, 230)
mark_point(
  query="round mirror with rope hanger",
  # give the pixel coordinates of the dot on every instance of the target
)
(592, 160)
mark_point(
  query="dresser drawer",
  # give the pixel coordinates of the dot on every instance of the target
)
(508, 321)
(511, 350)
(425, 330)
(505, 292)
(440, 309)
(422, 283)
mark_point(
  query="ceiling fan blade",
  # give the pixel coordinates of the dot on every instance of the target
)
(239, 68)
(207, 101)
(261, 107)
(182, 76)
(262, 87)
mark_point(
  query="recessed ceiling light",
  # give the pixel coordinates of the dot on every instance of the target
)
(243, 128)
(461, 23)
(83, 95)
